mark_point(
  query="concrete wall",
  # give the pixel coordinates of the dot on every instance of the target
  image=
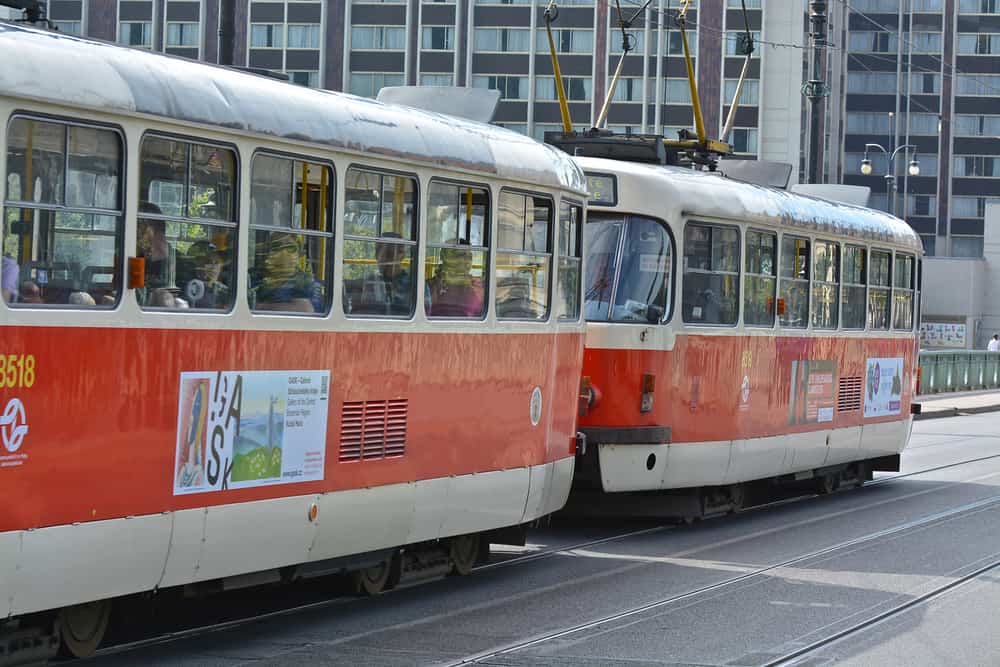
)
(781, 87)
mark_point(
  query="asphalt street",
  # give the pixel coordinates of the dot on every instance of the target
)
(757, 588)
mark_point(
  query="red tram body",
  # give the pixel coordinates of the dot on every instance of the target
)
(720, 350)
(317, 414)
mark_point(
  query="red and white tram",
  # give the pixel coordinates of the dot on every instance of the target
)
(251, 326)
(738, 333)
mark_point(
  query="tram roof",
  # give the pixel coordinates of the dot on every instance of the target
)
(73, 71)
(697, 193)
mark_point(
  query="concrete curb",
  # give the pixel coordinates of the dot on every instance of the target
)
(955, 412)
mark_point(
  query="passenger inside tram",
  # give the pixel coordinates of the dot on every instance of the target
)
(453, 290)
(284, 284)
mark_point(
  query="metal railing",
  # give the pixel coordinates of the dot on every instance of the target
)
(957, 370)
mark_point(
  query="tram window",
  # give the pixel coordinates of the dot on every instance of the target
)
(760, 281)
(524, 256)
(711, 274)
(187, 224)
(457, 250)
(826, 285)
(853, 295)
(879, 289)
(902, 293)
(629, 265)
(570, 251)
(380, 244)
(63, 217)
(793, 285)
(291, 235)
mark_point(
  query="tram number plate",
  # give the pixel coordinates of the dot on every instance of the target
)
(17, 370)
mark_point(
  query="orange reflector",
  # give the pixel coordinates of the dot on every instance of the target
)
(136, 272)
(313, 511)
(648, 383)
(781, 306)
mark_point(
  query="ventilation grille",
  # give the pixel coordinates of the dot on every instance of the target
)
(373, 429)
(849, 396)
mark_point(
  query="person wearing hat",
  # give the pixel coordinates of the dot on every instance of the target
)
(285, 285)
(205, 289)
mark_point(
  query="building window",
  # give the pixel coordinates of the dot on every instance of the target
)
(978, 44)
(135, 33)
(380, 244)
(925, 6)
(502, 40)
(187, 224)
(675, 44)
(966, 246)
(307, 78)
(630, 89)
(976, 126)
(457, 261)
(435, 79)
(267, 35)
(438, 38)
(735, 45)
(566, 41)
(979, 166)
(977, 84)
(884, 6)
(367, 84)
(749, 95)
(577, 89)
(922, 204)
(929, 242)
(183, 34)
(676, 91)
(926, 42)
(291, 235)
(382, 38)
(63, 215)
(968, 207)
(524, 256)
(67, 27)
(872, 82)
(637, 42)
(303, 36)
(510, 87)
(925, 83)
(711, 274)
(873, 42)
(868, 122)
(744, 140)
(979, 6)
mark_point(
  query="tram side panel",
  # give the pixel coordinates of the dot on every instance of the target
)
(116, 488)
(738, 408)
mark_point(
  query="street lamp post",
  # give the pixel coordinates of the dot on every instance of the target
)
(890, 176)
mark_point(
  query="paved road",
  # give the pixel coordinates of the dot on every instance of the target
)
(753, 589)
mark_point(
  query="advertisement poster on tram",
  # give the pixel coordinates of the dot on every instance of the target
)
(884, 387)
(238, 430)
(811, 399)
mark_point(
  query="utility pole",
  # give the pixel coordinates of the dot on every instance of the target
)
(816, 89)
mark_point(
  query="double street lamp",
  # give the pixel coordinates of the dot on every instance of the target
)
(890, 176)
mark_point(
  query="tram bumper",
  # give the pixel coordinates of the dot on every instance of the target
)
(614, 455)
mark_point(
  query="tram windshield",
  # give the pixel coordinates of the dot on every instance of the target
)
(629, 263)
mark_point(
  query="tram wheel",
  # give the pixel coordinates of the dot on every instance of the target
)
(374, 580)
(82, 628)
(827, 483)
(463, 552)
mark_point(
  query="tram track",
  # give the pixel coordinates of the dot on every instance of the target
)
(544, 638)
(205, 630)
